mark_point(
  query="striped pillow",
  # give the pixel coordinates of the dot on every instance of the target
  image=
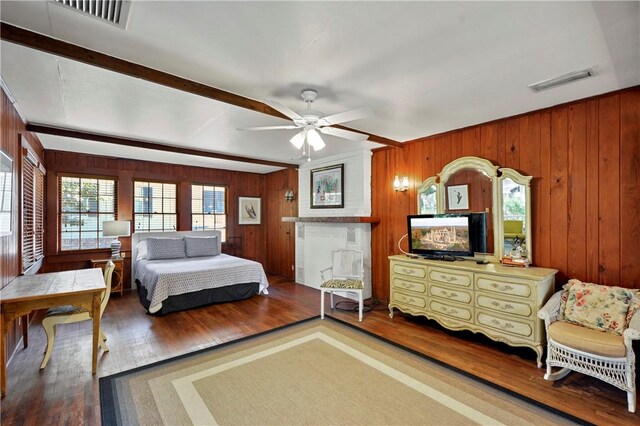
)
(202, 246)
(165, 248)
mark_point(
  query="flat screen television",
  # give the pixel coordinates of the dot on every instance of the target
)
(438, 236)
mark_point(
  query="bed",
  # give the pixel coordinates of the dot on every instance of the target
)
(168, 282)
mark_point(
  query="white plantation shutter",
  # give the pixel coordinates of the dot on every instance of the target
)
(32, 211)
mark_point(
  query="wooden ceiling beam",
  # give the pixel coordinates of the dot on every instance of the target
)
(117, 140)
(63, 49)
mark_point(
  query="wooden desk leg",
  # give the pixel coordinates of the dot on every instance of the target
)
(96, 331)
(3, 355)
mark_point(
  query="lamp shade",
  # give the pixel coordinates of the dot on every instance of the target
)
(116, 228)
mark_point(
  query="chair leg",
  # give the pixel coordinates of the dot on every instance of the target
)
(557, 375)
(631, 399)
(102, 341)
(322, 303)
(360, 303)
(50, 330)
(331, 297)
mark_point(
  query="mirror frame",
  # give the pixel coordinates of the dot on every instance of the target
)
(432, 181)
(507, 173)
(497, 176)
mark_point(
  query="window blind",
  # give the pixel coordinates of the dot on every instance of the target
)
(32, 211)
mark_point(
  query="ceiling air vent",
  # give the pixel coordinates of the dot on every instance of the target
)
(114, 12)
(563, 79)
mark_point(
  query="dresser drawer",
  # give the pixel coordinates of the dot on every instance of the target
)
(464, 313)
(400, 283)
(408, 270)
(502, 324)
(409, 299)
(518, 307)
(511, 286)
(450, 293)
(457, 278)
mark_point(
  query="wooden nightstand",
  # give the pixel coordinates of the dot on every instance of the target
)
(118, 273)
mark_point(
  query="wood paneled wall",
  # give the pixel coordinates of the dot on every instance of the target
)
(11, 131)
(585, 160)
(281, 235)
(257, 243)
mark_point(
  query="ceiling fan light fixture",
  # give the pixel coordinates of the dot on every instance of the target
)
(315, 140)
(298, 139)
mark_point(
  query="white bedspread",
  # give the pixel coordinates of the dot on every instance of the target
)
(164, 278)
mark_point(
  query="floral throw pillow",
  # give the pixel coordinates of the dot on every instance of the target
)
(598, 307)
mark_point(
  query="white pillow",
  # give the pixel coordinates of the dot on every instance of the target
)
(142, 250)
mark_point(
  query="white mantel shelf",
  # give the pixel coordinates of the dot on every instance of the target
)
(333, 219)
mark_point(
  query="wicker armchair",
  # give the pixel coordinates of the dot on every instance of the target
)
(602, 355)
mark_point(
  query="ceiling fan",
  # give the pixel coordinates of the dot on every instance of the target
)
(312, 122)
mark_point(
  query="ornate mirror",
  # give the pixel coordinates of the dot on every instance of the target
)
(515, 214)
(498, 198)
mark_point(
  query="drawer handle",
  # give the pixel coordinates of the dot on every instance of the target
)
(408, 271)
(504, 307)
(502, 326)
(448, 311)
(448, 278)
(451, 295)
(501, 288)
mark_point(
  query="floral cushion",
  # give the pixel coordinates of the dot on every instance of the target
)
(598, 307)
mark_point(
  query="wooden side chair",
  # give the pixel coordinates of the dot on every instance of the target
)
(590, 330)
(70, 314)
(346, 275)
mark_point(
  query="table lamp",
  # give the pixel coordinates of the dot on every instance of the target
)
(116, 228)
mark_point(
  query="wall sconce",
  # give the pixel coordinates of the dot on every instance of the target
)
(288, 195)
(401, 186)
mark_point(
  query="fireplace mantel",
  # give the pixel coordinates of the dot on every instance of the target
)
(333, 219)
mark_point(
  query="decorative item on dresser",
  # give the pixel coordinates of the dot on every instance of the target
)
(494, 300)
(117, 281)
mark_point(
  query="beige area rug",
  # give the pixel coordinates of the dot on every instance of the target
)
(318, 372)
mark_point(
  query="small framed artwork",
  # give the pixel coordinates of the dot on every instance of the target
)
(249, 210)
(458, 196)
(327, 186)
(6, 190)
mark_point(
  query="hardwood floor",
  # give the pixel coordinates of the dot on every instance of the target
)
(66, 392)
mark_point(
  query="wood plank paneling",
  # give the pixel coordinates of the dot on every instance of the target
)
(609, 197)
(585, 161)
(629, 183)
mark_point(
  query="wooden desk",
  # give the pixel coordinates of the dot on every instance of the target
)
(31, 292)
(117, 279)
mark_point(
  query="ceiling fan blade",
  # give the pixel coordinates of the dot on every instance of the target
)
(269, 127)
(346, 134)
(315, 140)
(282, 109)
(345, 116)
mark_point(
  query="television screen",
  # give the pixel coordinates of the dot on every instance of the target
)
(440, 235)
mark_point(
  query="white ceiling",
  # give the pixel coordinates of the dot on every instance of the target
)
(423, 68)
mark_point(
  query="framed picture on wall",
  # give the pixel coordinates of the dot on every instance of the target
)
(458, 196)
(327, 186)
(249, 210)
(6, 190)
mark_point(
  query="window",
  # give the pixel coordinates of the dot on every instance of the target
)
(209, 208)
(32, 211)
(154, 206)
(85, 203)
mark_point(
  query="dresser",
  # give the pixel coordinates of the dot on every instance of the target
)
(498, 301)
